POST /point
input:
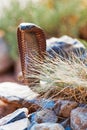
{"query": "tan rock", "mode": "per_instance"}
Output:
(78, 118)
(64, 107)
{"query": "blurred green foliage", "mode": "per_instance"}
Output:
(56, 17)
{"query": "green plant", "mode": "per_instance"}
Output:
(9, 21)
(58, 18)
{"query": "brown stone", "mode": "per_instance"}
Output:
(14, 96)
(64, 107)
(7, 107)
(78, 118)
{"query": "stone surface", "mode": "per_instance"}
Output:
(16, 120)
(15, 116)
(17, 125)
(43, 116)
(7, 107)
(64, 46)
(14, 96)
(68, 128)
(15, 91)
(47, 126)
(78, 118)
(64, 107)
(44, 103)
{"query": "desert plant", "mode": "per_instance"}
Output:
(60, 76)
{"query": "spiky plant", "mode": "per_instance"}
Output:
(60, 77)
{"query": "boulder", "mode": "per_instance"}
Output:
(64, 46)
(17, 125)
(15, 116)
(17, 120)
(14, 91)
(14, 96)
(43, 116)
(78, 118)
(44, 103)
(64, 107)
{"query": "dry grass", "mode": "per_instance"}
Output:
(60, 77)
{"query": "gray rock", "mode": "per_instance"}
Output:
(16, 120)
(78, 118)
(15, 116)
(17, 125)
(14, 96)
(44, 103)
(64, 107)
(14, 91)
(47, 126)
(43, 116)
(64, 46)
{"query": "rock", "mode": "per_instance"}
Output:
(17, 125)
(78, 118)
(16, 120)
(5, 59)
(43, 116)
(65, 122)
(14, 96)
(68, 128)
(7, 107)
(44, 103)
(47, 126)
(64, 107)
(64, 46)
(15, 116)
(15, 91)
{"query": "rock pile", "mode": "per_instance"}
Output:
(24, 112)
(22, 109)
